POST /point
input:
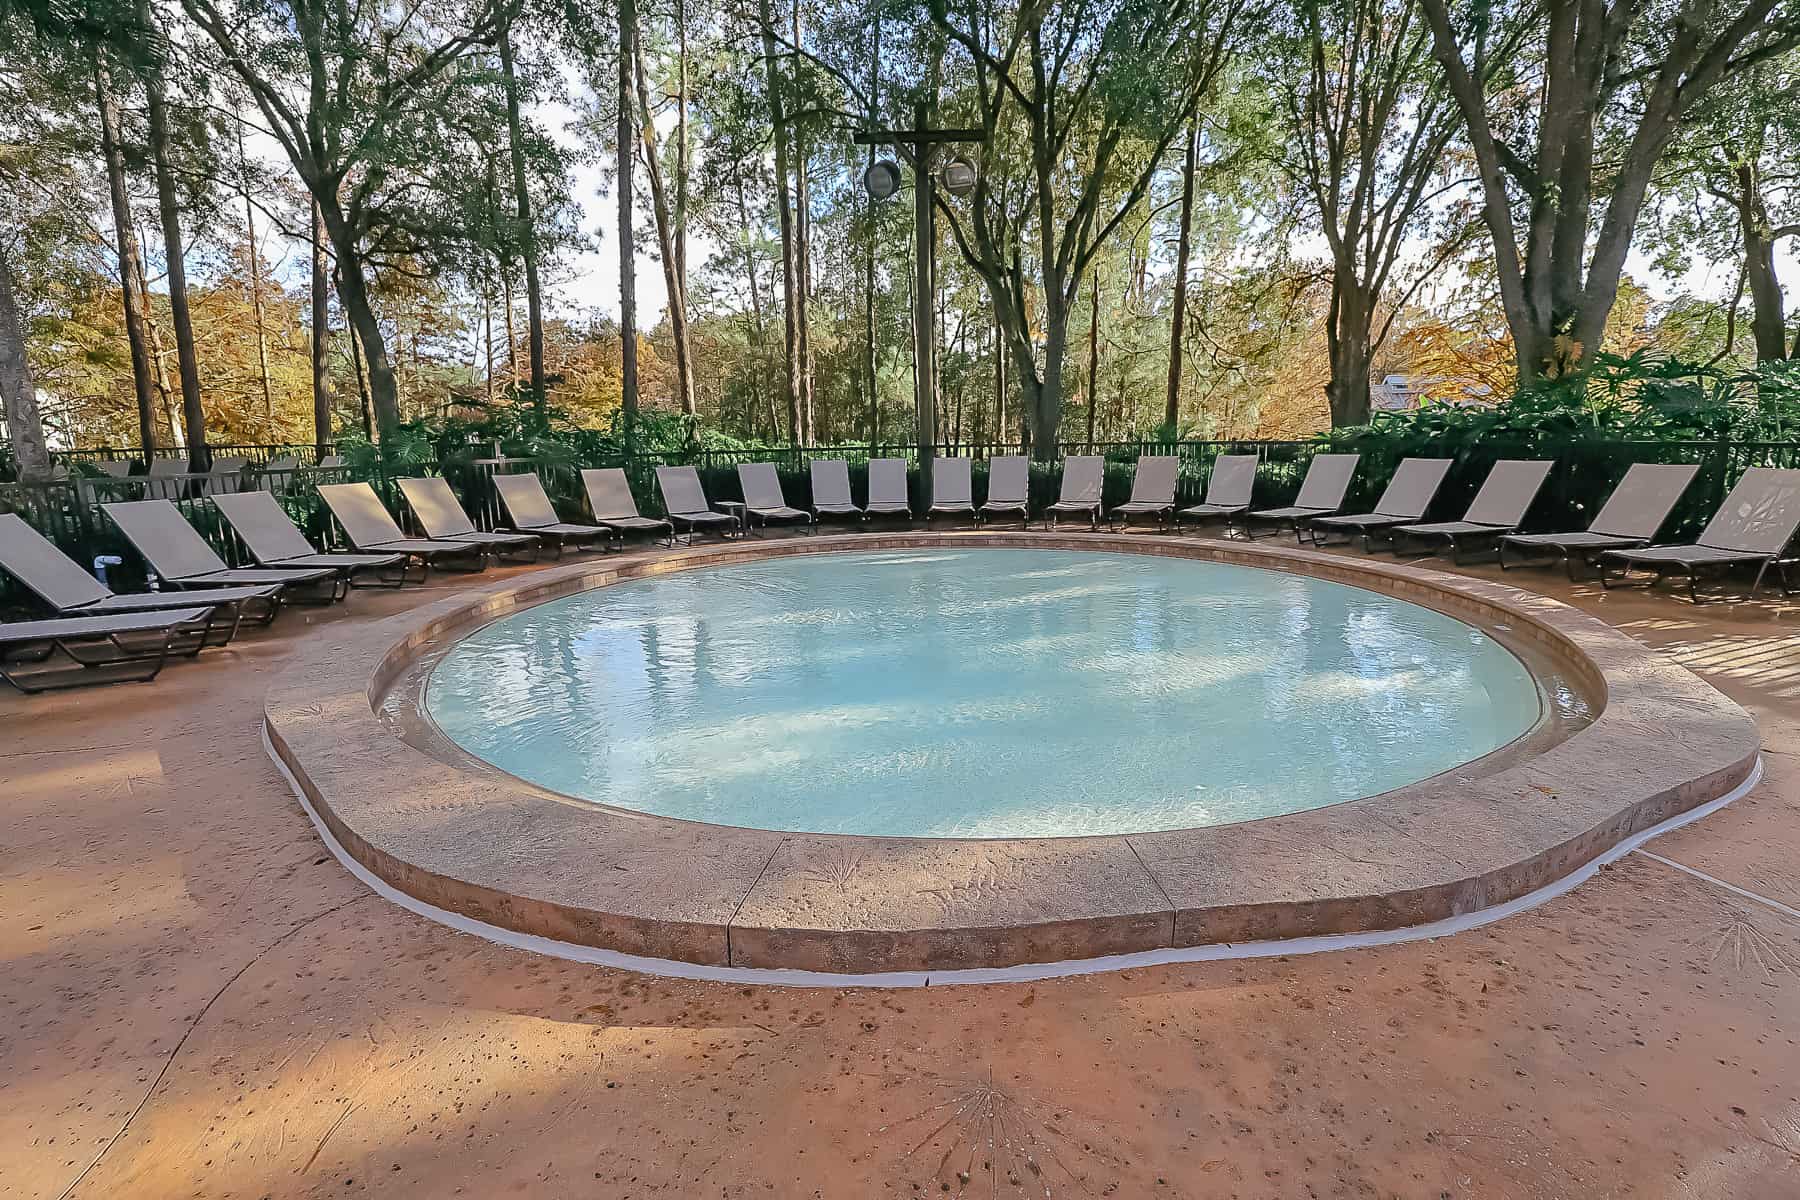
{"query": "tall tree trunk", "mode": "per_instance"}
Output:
(683, 152)
(359, 314)
(673, 280)
(364, 405)
(534, 301)
(758, 328)
(1178, 317)
(130, 264)
(1347, 340)
(256, 302)
(159, 376)
(193, 414)
(18, 394)
(785, 217)
(999, 381)
(626, 149)
(1093, 379)
(1768, 322)
(321, 340)
(510, 305)
(803, 297)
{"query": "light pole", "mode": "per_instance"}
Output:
(882, 180)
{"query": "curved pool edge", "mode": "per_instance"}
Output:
(504, 854)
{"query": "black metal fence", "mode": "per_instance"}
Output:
(71, 513)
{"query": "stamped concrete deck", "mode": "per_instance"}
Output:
(197, 1001)
(490, 847)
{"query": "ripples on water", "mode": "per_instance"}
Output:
(979, 693)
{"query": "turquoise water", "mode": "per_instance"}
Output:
(978, 693)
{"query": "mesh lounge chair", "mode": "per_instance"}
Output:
(952, 489)
(1408, 494)
(275, 541)
(1498, 509)
(226, 475)
(1754, 525)
(1082, 478)
(613, 505)
(887, 489)
(29, 557)
(763, 499)
(685, 502)
(1009, 488)
(831, 490)
(1227, 492)
(124, 648)
(182, 559)
(530, 510)
(435, 507)
(1630, 517)
(1152, 491)
(1322, 493)
(371, 529)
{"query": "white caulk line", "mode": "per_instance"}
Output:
(1024, 973)
(1746, 893)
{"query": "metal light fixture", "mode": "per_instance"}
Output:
(882, 179)
(958, 176)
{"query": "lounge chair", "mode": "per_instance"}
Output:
(330, 462)
(1152, 491)
(1009, 488)
(226, 475)
(530, 510)
(831, 490)
(763, 499)
(1497, 510)
(442, 518)
(952, 489)
(1630, 517)
(372, 530)
(612, 505)
(1754, 525)
(685, 502)
(123, 648)
(275, 541)
(1083, 477)
(1227, 491)
(49, 574)
(1405, 499)
(1322, 493)
(181, 558)
(887, 489)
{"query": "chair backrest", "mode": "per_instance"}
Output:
(331, 462)
(1507, 492)
(1414, 485)
(366, 522)
(1009, 479)
(160, 467)
(525, 500)
(1233, 479)
(951, 485)
(261, 524)
(1154, 482)
(681, 490)
(1759, 516)
(115, 468)
(1643, 500)
(887, 482)
(761, 486)
(281, 462)
(830, 483)
(435, 506)
(1083, 476)
(32, 559)
(157, 531)
(609, 493)
(229, 465)
(1327, 481)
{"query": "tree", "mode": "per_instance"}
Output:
(626, 150)
(355, 97)
(18, 394)
(1368, 123)
(112, 137)
(1078, 104)
(528, 242)
(1608, 86)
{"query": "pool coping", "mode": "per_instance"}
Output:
(504, 853)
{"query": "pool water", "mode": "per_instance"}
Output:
(978, 693)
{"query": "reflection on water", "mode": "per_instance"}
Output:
(985, 693)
